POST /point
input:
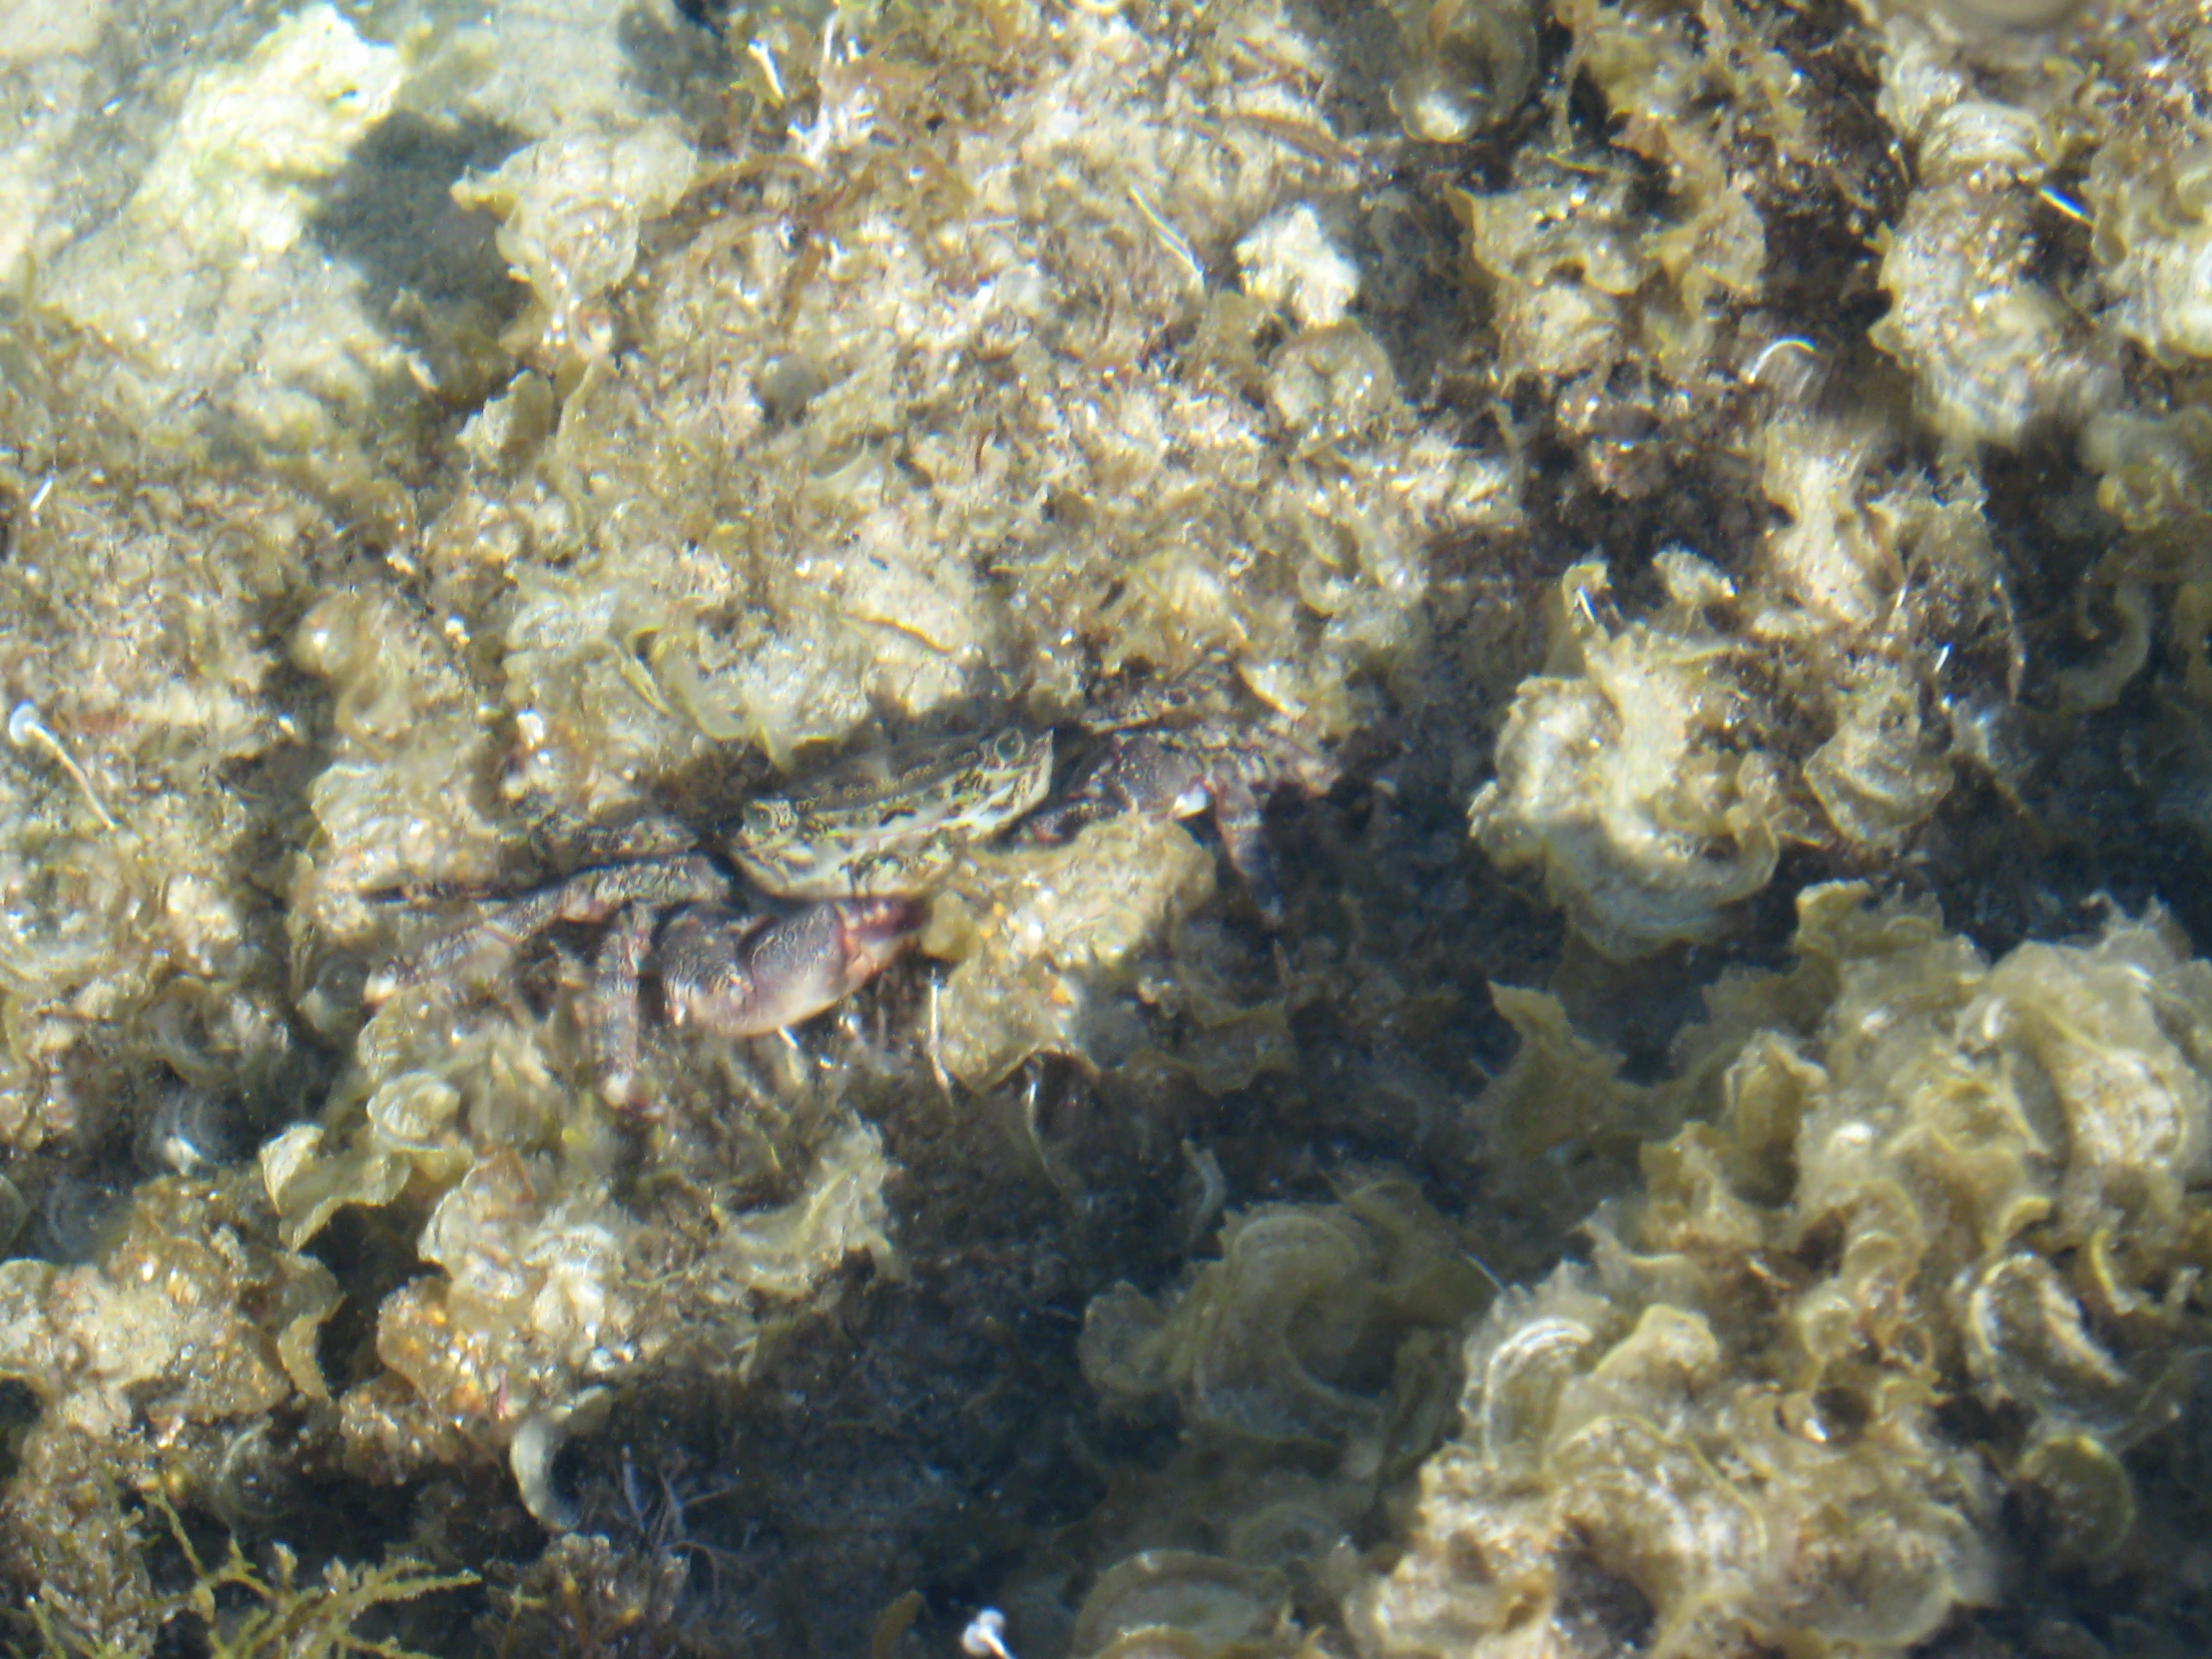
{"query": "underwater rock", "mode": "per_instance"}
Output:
(206, 284)
(905, 368)
(897, 482)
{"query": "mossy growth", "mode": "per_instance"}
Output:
(235, 1610)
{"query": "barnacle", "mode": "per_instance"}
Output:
(1882, 773)
(1290, 261)
(100, 1344)
(543, 1298)
(1624, 276)
(132, 948)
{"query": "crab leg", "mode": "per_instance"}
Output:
(611, 1010)
(1237, 815)
(1137, 774)
(745, 976)
(483, 948)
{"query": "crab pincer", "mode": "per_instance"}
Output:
(745, 975)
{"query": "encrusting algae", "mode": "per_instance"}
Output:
(1471, 515)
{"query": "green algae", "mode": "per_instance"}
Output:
(281, 1615)
(1750, 1398)
(1660, 418)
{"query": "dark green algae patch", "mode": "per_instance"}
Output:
(1714, 1161)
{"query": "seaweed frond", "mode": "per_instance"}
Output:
(283, 1618)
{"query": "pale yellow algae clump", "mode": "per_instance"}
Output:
(1048, 945)
(1993, 349)
(207, 286)
(136, 675)
(1624, 777)
(171, 1363)
(571, 207)
(1734, 445)
(1736, 1426)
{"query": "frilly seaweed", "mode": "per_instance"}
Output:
(1656, 770)
(803, 375)
(1742, 1423)
(1627, 780)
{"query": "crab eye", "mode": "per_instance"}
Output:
(1009, 746)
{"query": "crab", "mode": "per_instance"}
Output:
(820, 886)
(1181, 748)
(857, 845)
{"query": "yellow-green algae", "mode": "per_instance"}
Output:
(1744, 444)
(1935, 1245)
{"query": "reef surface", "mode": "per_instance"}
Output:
(1650, 1093)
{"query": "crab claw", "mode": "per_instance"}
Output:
(745, 976)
